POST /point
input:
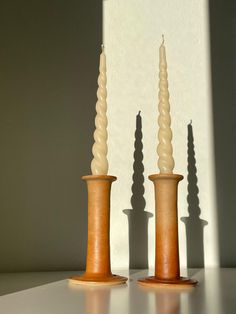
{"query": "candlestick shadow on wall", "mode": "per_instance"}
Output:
(137, 216)
(193, 223)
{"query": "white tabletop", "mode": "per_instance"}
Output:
(49, 293)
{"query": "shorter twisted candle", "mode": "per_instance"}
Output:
(99, 165)
(164, 148)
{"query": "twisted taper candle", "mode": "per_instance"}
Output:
(99, 165)
(164, 148)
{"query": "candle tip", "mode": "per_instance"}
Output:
(139, 112)
(102, 46)
(163, 39)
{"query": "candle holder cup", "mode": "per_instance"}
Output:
(167, 271)
(98, 269)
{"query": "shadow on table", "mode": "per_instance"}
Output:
(14, 282)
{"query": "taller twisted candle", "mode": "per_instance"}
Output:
(99, 165)
(164, 148)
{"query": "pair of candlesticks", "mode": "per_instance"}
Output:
(167, 270)
(98, 270)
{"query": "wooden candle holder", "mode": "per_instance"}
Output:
(167, 270)
(98, 269)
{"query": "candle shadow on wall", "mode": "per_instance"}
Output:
(193, 223)
(49, 75)
(223, 73)
(137, 216)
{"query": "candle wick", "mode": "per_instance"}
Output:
(191, 122)
(139, 112)
(163, 39)
(102, 46)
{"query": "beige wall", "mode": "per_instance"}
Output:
(133, 32)
(49, 66)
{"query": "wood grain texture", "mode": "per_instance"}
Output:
(98, 281)
(98, 268)
(167, 271)
(181, 282)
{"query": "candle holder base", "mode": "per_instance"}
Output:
(181, 282)
(98, 280)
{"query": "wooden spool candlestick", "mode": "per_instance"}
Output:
(167, 270)
(98, 269)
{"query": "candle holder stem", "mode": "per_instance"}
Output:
(167, 271)
(98, 269)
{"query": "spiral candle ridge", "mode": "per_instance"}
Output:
(164, 148)
(99, 165)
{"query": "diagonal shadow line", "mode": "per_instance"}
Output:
(222, 16)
